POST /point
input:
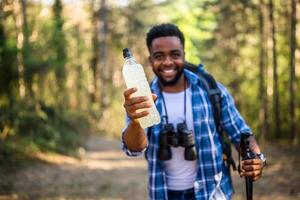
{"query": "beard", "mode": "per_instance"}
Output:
(172, 82)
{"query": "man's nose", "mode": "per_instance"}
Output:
(168, 61)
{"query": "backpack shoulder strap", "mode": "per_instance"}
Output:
(212, 89)
(214, 94)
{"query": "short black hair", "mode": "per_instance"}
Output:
(164, 30)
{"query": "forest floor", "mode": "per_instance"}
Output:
(103, 172)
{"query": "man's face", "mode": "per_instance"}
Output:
(167, 59)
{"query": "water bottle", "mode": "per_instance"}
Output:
(134, 76)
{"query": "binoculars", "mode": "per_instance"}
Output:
(170, 138)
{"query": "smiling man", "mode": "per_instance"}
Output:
(167, 60)
(184, 151)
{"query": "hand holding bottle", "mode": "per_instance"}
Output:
(133, 104)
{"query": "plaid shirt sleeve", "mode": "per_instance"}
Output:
(232, 121)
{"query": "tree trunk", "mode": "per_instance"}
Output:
(263, 117)
(95, 52)
(292, 73)
(4, 67)
(104, 70)
(17, 9)
(25, 50)
(276, 104)
(60, 59)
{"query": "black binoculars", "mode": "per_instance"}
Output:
(170, 138)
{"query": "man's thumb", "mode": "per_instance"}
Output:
(154, 96)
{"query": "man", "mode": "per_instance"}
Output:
(181, 99)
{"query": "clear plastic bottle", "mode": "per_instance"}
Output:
(134, 76)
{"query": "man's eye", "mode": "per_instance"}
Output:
(175, 55)
(158, 57)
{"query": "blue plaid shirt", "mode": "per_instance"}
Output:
(212, 174)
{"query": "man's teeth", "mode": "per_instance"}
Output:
(168, 71)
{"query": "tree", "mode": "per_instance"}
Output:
(263, 110)
(292, 72)
(95, 50)
(59, 43)
(105, 72)
(102, 83)
(8, 70)
(276, 103)
(19, 28)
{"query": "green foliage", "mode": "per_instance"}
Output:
(32, 127)
(9, 73)
(199, 28)
(39, 121)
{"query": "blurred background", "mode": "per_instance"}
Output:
(61, 84)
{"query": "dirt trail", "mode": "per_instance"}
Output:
(103, 172)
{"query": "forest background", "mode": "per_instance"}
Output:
(61, 62)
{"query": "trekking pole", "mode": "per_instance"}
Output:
(249, 188)
(247, 154)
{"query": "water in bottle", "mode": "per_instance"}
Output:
(134, 76)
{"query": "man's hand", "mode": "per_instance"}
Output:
(252, 168)
(134, 135)
(133, 104)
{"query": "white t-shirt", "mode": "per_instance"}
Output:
(180, 173)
